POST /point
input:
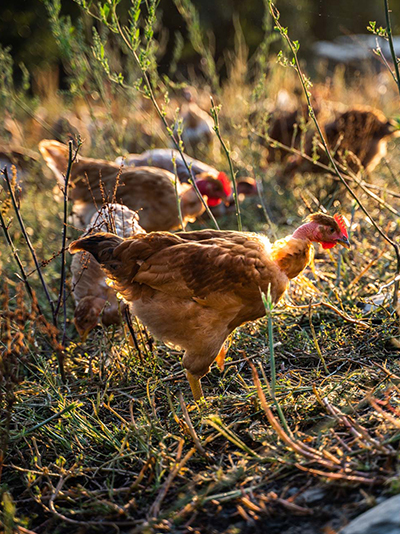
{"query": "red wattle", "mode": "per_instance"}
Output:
(328, 245)
(213, 202)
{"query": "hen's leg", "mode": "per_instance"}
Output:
(195, 386)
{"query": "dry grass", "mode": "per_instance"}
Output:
(121, 446)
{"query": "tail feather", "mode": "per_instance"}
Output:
(100, 245)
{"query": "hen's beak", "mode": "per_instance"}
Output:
(344, 241)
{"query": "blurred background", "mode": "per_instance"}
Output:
(25, 28)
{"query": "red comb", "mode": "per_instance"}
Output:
(222, 177)
(339, 219)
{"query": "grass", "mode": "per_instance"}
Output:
(121, 446)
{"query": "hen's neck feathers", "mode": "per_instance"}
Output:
(293, 253)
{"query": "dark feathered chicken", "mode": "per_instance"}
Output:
(357, 139)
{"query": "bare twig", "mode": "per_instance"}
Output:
(62, 295)
(28, 242)
(214, 113)
(144, 71)
(17, 259)
(190, 426)
(179, 463)
(391, 46)
(132, 333)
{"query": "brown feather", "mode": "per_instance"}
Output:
(325, 220)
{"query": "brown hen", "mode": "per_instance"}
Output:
(357, 139)
(148, 190)
(193, 289)
(197, 125)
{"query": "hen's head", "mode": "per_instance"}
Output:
(215, 188)
(191, 204)
(247, 186)
(321, 228)
(87, 315)
(55, 155)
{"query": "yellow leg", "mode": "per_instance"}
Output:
(195, 386)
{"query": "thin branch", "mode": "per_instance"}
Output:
(391, 46)
(132, 333)
(17, 259)
(153, 99)
(214, 114)
(28, 242)
(62, 295)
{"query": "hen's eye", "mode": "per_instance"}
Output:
(331, 230)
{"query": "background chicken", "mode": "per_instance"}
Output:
(193, 289)
(357, 138)
(163, 159)
(197, 124)
(94, 299)
(286, 128)
(149, 190)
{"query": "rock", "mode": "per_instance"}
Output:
(311, 495)
(382, 519)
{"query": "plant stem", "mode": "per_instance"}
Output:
(391, 46)
(17, 259)
(214, 114)
(153, 99)
(62, 295)
(314, 336)
(268, 305)
(28, 242)
(178, 201)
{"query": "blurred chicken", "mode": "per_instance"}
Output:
(163, 159)
(286, 128)
(357, 139)
(94, 299)
(197, 125)
(18, 160)
(149, 190)
(246, 186)
(193, 289)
